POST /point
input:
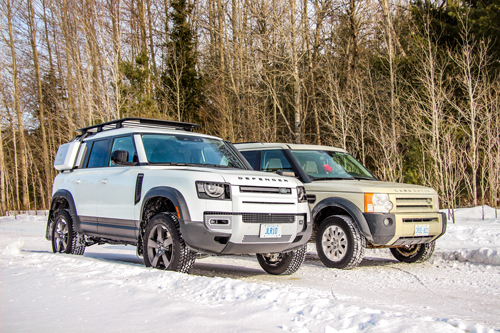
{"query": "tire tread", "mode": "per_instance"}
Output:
(358, 244)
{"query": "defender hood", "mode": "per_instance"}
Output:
(239, 176)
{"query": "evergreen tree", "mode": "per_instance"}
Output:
(181, 80)
(135, 99)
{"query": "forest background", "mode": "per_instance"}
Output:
(410, 88)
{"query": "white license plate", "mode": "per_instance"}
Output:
(270, 231)
(422, 230)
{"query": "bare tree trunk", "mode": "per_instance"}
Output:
(17, 108)
(45, 150)
(297, 104)
(3, 176)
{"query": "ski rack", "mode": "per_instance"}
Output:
(136, 122)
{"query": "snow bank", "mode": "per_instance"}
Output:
(14, 248)
(470, 238)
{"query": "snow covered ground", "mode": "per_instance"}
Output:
(108, 289)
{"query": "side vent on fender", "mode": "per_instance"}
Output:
(138, 188)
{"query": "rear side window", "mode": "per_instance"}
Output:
(98, 154)
(252, 157)
(274, 160)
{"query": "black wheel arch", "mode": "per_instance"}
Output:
(62, 199)
(163, 199)
(173, 195)
(341, 206)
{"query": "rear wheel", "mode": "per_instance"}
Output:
(64, 237)
(339, 242)
(414, 253)
(164, 247)
(282, 263)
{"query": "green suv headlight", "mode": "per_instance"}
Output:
(211, 190)
(377, 203)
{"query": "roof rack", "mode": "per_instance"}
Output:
(137, 122)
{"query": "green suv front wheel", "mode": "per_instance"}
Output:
(414, 253)
(339, 242)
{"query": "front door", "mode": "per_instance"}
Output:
(116, 194)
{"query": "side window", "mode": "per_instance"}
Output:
(98, 154)
(252, 157)
(125, 143)
(274, 160)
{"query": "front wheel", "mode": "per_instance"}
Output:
(164, 247)
(282, 263)
(64, 237)
(414, 253)
(339, 242)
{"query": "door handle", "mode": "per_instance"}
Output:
(76, 181)
(104, 181)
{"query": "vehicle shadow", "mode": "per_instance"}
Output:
(224, 271)
(368, 261)
(113, 257)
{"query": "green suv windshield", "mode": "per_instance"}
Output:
(324, 165)
(189, 150)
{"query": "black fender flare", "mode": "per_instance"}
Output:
(68, 197)
(174, 196)
(350, 208)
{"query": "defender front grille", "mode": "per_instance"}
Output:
(261, 217)
(267, 218)
(262, 189)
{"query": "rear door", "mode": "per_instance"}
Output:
(85, 181)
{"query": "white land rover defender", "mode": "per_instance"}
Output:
(173, 193)
(351, 209)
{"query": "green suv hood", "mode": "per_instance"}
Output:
(366, 186)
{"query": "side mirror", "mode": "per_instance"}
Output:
(119, 157)
(286, 173)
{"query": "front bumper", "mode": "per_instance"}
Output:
(241, 234)
(401, 229)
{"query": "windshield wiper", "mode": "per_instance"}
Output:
(196, 165)
(331, 178)
(364, 178)
(176, 164)
(214, 166)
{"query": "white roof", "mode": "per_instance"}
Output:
(293, 146)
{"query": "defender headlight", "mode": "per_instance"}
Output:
(210, 190)
(301, 194)
(377, 203)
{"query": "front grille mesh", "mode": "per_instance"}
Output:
(414, 204)
(267, 218)
(412, 240)
(261, 217)
(421, 220)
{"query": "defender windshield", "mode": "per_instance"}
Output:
(325, 165)
(189, 150)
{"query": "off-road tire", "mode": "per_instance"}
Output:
(286, 263)
(339, 242)
(414, 253)
(64, 237)
(164, 247)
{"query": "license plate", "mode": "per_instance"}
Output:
(422, 230)
(270, 231)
